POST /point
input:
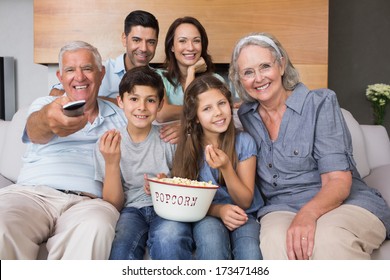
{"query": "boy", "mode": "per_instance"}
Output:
(121, 160)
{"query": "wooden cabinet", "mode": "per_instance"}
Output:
(300, 25)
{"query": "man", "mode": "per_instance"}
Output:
(56, 198)
(139, 38)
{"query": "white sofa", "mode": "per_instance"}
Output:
(371, 147)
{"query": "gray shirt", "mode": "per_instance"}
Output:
(313, 139)
(152, 156)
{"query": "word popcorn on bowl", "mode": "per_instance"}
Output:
(181, 199)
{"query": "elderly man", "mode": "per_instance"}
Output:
(56, 198)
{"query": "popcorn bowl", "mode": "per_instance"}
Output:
(180, 199)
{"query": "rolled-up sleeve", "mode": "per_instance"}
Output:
(332, 142)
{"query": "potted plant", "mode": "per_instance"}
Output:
(379, 96)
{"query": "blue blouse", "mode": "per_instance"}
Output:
(313, 139)
(245, 148)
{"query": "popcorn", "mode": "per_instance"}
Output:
(186, 182)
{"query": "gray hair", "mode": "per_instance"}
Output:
(291, 76)
(77, 45)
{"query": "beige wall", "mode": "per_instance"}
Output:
(16, 37)
(300, 25)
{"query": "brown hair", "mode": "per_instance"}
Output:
(190, 151)
(141, 76)
(173, 73)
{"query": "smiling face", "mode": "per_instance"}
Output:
(267, 81)
(187, 45)
(140, 46)
(80, 76)
(213, 112)
(140, 107)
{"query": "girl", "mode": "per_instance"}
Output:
(210, 149)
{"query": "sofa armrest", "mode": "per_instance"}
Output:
(13, 148)
(3, 133)
(377, 145)
(4, 182)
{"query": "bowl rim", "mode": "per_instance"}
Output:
(156, 180)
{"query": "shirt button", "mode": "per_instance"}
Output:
(275, 184)
(270, 165)
(275, 176)
(296, 152)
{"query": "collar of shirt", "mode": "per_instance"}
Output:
(106, 108)
(120, 64)
(297, 98)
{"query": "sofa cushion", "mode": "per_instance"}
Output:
(358, 144)
(379, 179)
(3, 132)
(383, 253)
(13, 148)
(377, 145)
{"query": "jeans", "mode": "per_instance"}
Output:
(214, 241)
(245, 241)
(138, 228)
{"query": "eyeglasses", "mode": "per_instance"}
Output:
(250, 73)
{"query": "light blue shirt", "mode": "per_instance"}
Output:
(175, 94)
(115, 70)
(313, 139)
(67, 162)
(245, 148)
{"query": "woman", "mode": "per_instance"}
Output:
(186, 44)
(317, 206)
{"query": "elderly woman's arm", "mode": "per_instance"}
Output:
(335, 189)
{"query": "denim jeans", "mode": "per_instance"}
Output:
(138, 228)
(214, 241)
(245, 241)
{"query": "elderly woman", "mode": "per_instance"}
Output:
(317, 206)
